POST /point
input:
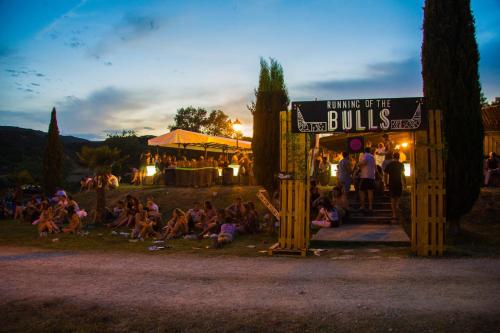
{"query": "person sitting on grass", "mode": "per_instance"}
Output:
(32, 211)
(143, 225)
(327, 216)
(250, 222)
(195, 217)
(74, 221)
(209, 223)
(113, 181)
(177, 226)
(45, 223)
(236, 211)
(227, 233)
(126, 217)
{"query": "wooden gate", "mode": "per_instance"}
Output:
(294, 230)
(427, 193)
(428, 189)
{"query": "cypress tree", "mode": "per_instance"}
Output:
(53, 157)
(451, 83)
(271, 98)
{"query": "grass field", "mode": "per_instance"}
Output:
(480, 237)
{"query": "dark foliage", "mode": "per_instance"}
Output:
(271, 98)
(53, 157)
(199, 120)
(451, 83)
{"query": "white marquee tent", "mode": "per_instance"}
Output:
(197, 141)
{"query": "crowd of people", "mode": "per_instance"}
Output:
(88, 183)
(59, 213)
(144, 220)
(378, 170)
(199, 172)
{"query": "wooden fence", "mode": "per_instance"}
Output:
(294, 231)
(428, 189)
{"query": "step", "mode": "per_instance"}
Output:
(360, 235)
(376, 212)
(375, 206)
(368, 220)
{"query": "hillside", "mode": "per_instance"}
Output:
(22, 149)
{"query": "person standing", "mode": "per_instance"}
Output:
(380, 154)
(367, 179)
(492, 168)
(344, 171)
(396, 176)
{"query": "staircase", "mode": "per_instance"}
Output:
(362, 229)
(381, 210)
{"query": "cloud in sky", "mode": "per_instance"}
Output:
(132, 64)
(381, 79)
(132, 27)
(106, 108)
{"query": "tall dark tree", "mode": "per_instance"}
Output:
(271, 98)
(53, 157)
(451, 83)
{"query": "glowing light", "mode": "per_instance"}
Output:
(219, 172)
(407, 169)
(236, 169)
(150, 170)
(404, 144)
(237, 125)
(333, 170)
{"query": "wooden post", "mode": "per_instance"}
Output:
(428, 189)
(294, 190)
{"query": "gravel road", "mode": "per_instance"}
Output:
(252, 294)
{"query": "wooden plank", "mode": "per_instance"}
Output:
(283, 213)
(413, 195)
(442, 190)
(289, 221)
(421, 191)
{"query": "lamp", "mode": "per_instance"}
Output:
(150, 170)
(237, 130)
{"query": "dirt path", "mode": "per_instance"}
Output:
(295, 294)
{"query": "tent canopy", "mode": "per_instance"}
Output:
(197, 141)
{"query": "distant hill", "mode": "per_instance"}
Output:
(22, 149)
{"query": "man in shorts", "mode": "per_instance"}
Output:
(367, 179)
(396, 174)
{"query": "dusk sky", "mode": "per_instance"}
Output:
(113, 65)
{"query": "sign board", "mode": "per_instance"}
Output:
(268, 205)
(358, 115)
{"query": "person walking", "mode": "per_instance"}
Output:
(396, 176)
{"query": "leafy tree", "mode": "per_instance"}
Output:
(219, 124)
(53, 157)
(100, 161)
(271, 99)
(190, 119)
(451, 84)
